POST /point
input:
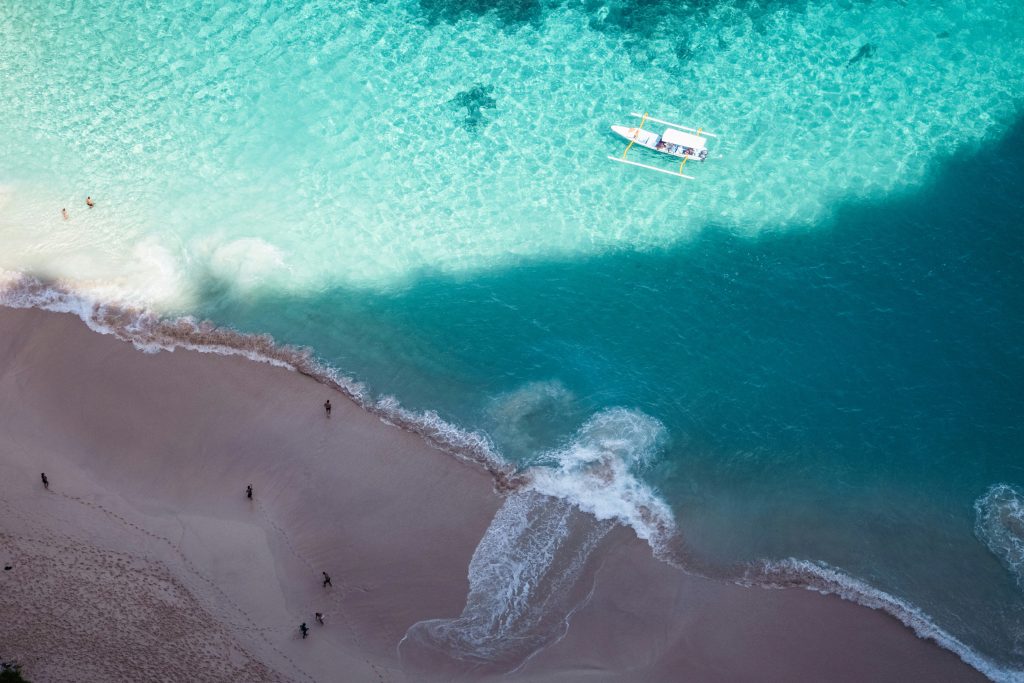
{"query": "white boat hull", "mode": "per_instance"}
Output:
(653, 141)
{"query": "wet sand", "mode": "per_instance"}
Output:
(145, 561)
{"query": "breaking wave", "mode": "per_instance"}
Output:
(599, 472)
(825, 579)
(526, 575)
(999, 524)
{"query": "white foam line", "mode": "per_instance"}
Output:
(150, 333)
(628, 500)
(598, 471)
(999, 524)
(827, 580)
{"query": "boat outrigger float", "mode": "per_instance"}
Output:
(677, 143)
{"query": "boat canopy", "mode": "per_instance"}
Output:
(644, 137)
(678, 137)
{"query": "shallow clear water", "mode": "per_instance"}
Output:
(817, 344)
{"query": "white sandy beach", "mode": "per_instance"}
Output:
(144, 561)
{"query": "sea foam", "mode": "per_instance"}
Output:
(151, 333)
(999, 524)
(828, 580)
(524, 585)
(524, 576)
(599, 471)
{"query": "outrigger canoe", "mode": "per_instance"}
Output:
(678, 143)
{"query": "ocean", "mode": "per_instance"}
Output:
(802, 368)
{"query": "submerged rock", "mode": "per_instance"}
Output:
(474, 101)
(866, 50)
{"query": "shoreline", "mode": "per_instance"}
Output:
(397, 520)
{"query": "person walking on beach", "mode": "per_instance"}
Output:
(248, 491)
(304, 629)
(319, 618)
(327, 579)
(89, 202)
(327, 407)
(46, 482)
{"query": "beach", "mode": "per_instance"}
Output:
(144, 560)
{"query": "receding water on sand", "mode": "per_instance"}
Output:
(526, 578)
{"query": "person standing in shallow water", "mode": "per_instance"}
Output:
(248, 491)
(89, 202)
(64, 212)
(327, 407)
(46, 482)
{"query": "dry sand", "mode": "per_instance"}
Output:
(144, 561)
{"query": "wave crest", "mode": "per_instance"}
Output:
(825, 579)
(999, 524)
(598, 471)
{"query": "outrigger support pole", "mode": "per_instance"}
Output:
(651, 168)
(635, 135)
(674, 125)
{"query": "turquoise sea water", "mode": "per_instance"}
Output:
(812, 353)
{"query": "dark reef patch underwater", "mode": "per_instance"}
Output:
(866, 50)
(473, 101)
